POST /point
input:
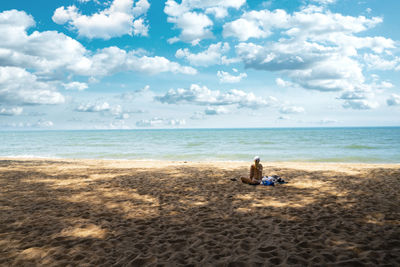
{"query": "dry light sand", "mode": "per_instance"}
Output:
(133, 213)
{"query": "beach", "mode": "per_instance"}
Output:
(59, 212)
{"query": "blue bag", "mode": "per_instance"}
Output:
(268, 182)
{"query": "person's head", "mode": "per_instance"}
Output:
(256, 160)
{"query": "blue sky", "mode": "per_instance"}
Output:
(126, 64)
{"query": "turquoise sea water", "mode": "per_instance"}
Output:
(370, 145)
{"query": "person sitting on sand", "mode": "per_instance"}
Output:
(255, 173)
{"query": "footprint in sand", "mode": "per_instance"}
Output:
(267, 249)
(275, 261)
(143, 261)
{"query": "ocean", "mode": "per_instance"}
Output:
(365, 145)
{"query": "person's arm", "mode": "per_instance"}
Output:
(261, 171)
(251, 172)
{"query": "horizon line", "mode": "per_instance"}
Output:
(203, 128)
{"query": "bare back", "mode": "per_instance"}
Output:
(256, 172)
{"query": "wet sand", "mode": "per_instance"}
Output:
(136, 213)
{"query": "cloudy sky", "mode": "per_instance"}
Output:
(124, 64)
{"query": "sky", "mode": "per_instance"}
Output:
(129, 64)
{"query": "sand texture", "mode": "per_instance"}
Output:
(133, 213)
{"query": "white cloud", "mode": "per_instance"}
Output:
(282, 83)
(394, 100)
(116, 20)
(17, 86)
(363, 98)
(103, 108)
(201, 95)
(17, 19)
(190, 17)
(111, 60)
(198, 116)
(309, 23)
(352, 95)
(385, 84)
(324, 2)
(115, 125)
(317, 49)
(43, 51)
(52, 56)
(285, 109)
(175, 122)
(309, 65)
(211, 56)
(328, 121)
(43, 124)
(256, 24)
(154, 65)
(14, 111)
(159, 122)
(94, 107)
(38, 124)
(377, 62)
(361, 104)
(140, 28)
(128, 96)
(227, 61)
(116, 110)
(145, 89)
(306, 60)
(218, 12)
(194, 26)
(243, 30)
(215, 7)
(314, 21)
(173, 8)
(75, 86)
(141, 8)
(225, 77)
(350, 43)
(215, 111)
(136, 111)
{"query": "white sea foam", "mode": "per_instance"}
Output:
(26, 156)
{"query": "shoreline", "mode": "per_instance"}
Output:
(203, 128)
(126, 163)
(249, 162)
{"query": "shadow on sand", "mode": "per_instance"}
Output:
(184, 215)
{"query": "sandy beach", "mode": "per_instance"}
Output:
(138, 213)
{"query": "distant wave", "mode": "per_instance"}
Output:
(266, 143)
(26, 156)
(359, 147)
(194, 144)
(352, 159)
(247, 142)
